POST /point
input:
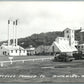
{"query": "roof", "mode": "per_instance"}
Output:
(64, 47)
(11, 47)
(68, 29)
(82, 30)
(81, 44)
(30, 48)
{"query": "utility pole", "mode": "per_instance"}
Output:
(8, 33)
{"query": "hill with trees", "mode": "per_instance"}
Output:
(42, 38)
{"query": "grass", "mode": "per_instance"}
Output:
(43, 70)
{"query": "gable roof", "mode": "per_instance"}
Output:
(63, 47)
(13, 47)
(67, 29)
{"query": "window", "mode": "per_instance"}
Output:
(78, 46)
(20, 51)
(11, 51)
(53, 49)
(81, 46)
(67, 31)
(24, 51)
(3, 53)
(16, 51)
(68, 36)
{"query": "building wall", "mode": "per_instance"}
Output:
(81, 37)
(62, 40)
(53, 48)
(69, 34)
(3, 51)
(18, 52)
(81, 48)
(6, 52)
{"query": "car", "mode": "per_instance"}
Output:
(78, 55)
(63, 57)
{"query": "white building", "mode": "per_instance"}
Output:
(65, 44)
(69, 34)
(12, 51)
(30, 50)
(61, 44)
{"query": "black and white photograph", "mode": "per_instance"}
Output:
(41, 41)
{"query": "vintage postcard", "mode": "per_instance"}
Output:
(41, 41)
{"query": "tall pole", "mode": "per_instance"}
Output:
(16, 33)
(8, 33)
(13, 33)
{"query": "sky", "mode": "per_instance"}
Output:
(40, 16)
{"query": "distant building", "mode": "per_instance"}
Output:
(69, 34)
(65, 44)
(42, 49)
(12, 50)
(61, 44)
(82, 36)
(80, 46)
(30, 50)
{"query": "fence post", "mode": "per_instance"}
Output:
(22, 61)
(1, 64)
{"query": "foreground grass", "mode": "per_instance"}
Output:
(43, 71)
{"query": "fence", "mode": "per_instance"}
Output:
(33, 60)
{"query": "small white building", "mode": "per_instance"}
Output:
(61, 44)
(30, 50)
(11, 50)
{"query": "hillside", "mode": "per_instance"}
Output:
(39, 39)
(42, 39)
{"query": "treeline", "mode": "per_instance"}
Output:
(42, 39)
(39, 39)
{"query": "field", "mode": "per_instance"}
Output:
(43, 71)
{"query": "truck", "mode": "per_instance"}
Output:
(78, 55)
(63, 57)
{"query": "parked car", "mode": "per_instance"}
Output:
(78, 55)
(63, 57)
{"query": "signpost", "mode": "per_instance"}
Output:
(11, 59)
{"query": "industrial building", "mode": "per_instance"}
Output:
(64, 44)
(12, 48)
(80, 46)
(70, 35)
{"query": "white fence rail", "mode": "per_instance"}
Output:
(35, 59)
